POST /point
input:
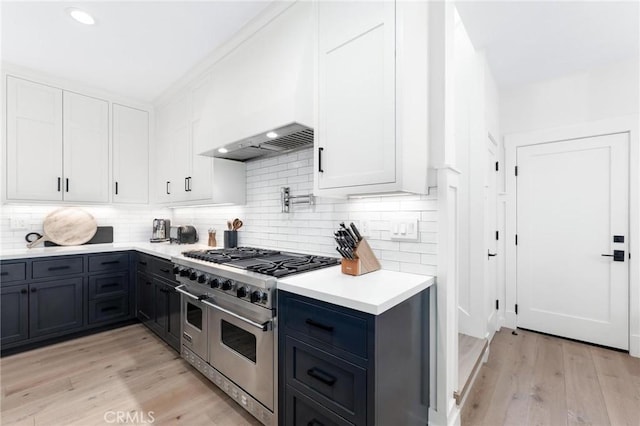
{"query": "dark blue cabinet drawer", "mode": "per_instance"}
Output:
(303, 411)
(163, 268)
(108, 285)
(143, 262)
(110, 309)
(10, 272)
(109, 262)
(331, 329)
(57, 267)
(336, 384)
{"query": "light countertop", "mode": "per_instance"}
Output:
(163, 250)
(373, 293)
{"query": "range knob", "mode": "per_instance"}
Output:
(184, 272)
(193, 275)
(241, 292)
(214, 283)
(227, 285)
(202, 278)
(256, 296)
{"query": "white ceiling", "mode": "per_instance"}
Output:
(135, 49)
(538, 40)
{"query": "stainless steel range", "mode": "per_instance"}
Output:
(229, 331)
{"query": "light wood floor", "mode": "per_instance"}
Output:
(533, 379)
(128, 369)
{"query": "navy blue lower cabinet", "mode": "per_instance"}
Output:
(338, 366)
(55, 306)
(14, 314)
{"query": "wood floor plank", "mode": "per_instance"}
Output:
(548, 405)
(128, 369)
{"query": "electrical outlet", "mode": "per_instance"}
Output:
(365, 228)
(18, 223)
(404, 229)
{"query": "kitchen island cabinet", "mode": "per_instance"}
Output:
(340, 366)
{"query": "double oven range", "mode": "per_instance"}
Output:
(228, 315)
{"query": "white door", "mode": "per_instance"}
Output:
(130, 155)
(86, 148)
(356, 105)
(572, 199)
(34, 141)
(491, 236)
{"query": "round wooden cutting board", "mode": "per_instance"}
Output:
(68, 226)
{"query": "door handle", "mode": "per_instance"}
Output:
(618, 255)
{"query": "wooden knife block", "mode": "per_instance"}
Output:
(366, 261)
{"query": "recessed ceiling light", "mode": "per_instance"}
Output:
(81, 16)
(272, 135)
(223, 150)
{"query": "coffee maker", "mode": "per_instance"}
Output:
(161, 229)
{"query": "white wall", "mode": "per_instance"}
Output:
(310, 229)
(599, 93)
(129, 223)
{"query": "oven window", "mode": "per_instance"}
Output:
(194, 316)
(239, 340)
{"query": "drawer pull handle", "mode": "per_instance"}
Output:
(23, 291)
(320, 375)
(4, 274)
(109, 285)
(165, 270)
(140, 262)
(110, 262)
(59, 268)
(109, 308)
(319, 325)
(314, 422)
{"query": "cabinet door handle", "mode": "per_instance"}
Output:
(319, 325)
(314, 422)
(186, 184)
(109, 285)
(109, 308)
(168, 189)
(67, 185)
(110, 262)
(4, 274)
(320, 160)
(58, 268)
(140, 262)
(320, 375)
(23, 291)
(59, 183)
(116, 188)
(165, 270)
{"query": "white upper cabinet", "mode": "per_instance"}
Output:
(130, 155)
(57, 144)
(34, 141)
(86, 148)
(182, 176)
(363, 144)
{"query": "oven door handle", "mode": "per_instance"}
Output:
(179, 289)
(264, 327)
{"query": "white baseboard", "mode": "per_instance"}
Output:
(634, 345)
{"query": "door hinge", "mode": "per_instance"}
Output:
(497, 235)
(497, 304)
(516, 170)
(497, 166)
(516, 239)
(516, 309)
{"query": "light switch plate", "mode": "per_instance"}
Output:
(404, 229)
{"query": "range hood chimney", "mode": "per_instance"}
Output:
(282, 140)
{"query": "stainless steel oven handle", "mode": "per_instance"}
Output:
(264, 327)
(186, 293)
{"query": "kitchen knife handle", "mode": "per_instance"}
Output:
(320, 149)
(355, 231)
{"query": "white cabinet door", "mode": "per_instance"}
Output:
(200, 177)
(130, 155)
(34, 141)
(86, 148)
(356, 105)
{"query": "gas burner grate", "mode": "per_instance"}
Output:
(229, 255)
(293, 265)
